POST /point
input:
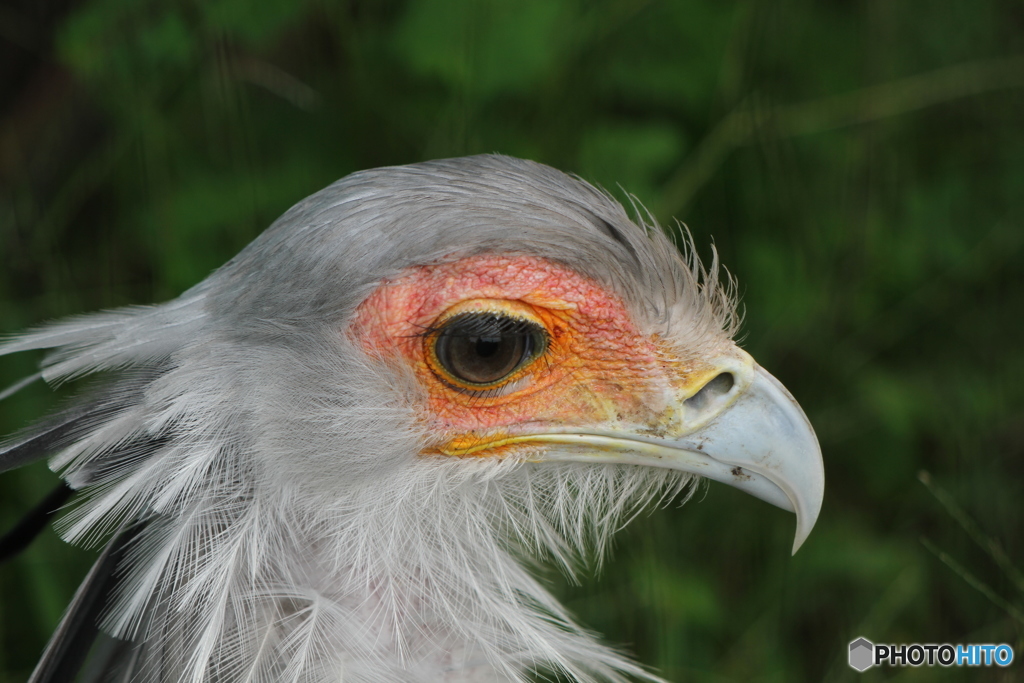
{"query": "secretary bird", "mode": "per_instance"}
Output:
(328, 460)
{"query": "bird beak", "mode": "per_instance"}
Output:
(742, 428)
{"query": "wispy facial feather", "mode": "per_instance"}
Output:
(294, 532)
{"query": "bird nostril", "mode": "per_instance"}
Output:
(722, 384)
(719, 386)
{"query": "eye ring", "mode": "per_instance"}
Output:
(481, 350)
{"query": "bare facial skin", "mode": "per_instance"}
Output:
(597, 367)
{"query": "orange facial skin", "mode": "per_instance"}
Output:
(598, 371)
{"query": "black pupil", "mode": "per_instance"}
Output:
(485, 348)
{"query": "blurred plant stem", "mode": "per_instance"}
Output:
(754, 118)
(986, 543)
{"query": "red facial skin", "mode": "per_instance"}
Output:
(598, 369)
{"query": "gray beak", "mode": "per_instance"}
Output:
(752, 435)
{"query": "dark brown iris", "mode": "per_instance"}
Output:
(484, 348)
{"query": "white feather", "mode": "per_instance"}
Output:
(294, 533)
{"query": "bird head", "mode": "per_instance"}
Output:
(488, 313)
(410, 380)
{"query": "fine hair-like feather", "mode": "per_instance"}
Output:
(283, 526)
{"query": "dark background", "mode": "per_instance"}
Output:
(859, 165)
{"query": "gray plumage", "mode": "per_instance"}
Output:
(283, 526)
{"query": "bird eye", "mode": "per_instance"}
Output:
(485, 348)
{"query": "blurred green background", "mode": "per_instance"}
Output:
(859, 165)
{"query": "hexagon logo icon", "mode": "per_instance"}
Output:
(862, 654)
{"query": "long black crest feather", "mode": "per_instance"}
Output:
(45, 438)
(34, 521)
(73, 639)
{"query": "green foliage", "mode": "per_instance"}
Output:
(484, 47)
(859, 166)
